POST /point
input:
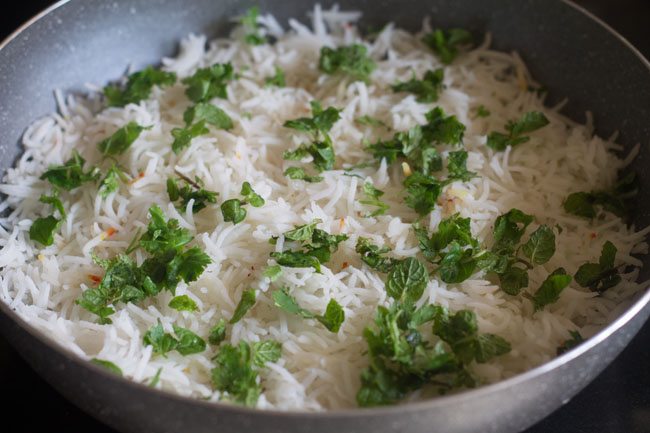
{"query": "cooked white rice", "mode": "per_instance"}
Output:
(319, 370)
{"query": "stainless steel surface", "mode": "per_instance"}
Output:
(105, 36)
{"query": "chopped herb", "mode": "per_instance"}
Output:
(331, 319)
(277, 80)
(373, 199)
(528, 122)
(249, 21)
(549, 291)
(406, 281)
(121, 140)
(169, 263)
(457, 166)
(575, 340)
(185, 342)
(615, 201)
(235, 374)
(183, 136)
(108, 365)
(209, 113)
(296, 259)
(138, 86)
(111, 181)
(422, 192)
(183, 303)
(481, 111)
(373, 255)
(232, 209)
(273, 272)
(540, 246)
(602, 275)
(71, 174)
(445, 43)
(298, 173)
(370, 121)
(155, 379)
(42, 229)
(217, 333)
(427, 89)
(209, 83)
(191, 190)
(246, 302)
(351, 60)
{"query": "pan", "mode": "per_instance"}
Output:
(571, 52)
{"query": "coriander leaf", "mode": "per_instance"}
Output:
(161, 235)
(277, 80)
(481, 111)
(209, 83)
(457, 166)
(373, 199)
(188, 342)
(183, 136)
(249, 22)
(443, 129)
(266, 351)
(210, 114)
(427, 89)
(190, 191)
(457, 264)
(296, 259)
(121, 140)
(108, 365)
(575, 340)
(273, 272)
(372, 255)
(549, 291)
(445, 43)
(217, 333)
(183, 303)
(161, 342)
(234, 374)
(422, 192)
(601, 276)
(298, 173)
(513, 279)
(540, 246)
(70, 175)
(233, 211)
(351, 60)
(528, 122)
(251, 196)
(191, 264)
(138, 86)
(490, 346)
(248, 298)
(407, 280)
(111, 181)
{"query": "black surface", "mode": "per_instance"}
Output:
(617, 401)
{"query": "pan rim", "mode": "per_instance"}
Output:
(442, 401)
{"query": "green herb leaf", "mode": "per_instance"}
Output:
(108, 365)
(351, 60)
(183, 303)
(528, 122)
(155, 379)
(584, 204)
(248, 298)
(217, 333)
(457, 264)
(70, 175)
(234, 374)
(188, 342)
(481, 111)
(183, 136)
(427, 89)
(211, 114)
(161, 342)
(373, 199)
(575, 340)
(121, 140)
(209, 83)
(422, 192)
(249, 22)
(446, 43)
(42, 229)
(510, 227)
(373, 256)
(138, 86)
(443, 129)
(549, 291)
(190, 191)
(233, 211)
(266, 351)
(273, 272)
(251, 196)
(490, 346)
(298, 173)
(407, 280)
(457, 166)
(601, 276)
(332, 319)
(302, 233)
(541, 245)
(296, 259)
(277, 80)
(513, 279)
(111, 181)
(452, 229)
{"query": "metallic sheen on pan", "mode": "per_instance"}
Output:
(568, 50)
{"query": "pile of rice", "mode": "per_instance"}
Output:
(319, 370)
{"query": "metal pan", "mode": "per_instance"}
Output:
(571, 52)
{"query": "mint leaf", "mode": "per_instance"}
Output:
(183, 136)
(373, 199)
(407, 280)
(71, 174)
(575, 340)
(540, 246)
(121, 140)
(298, 173)
(233, 211)
(183, 303)
(332, 319)
(296, 259)
(209, 83)
(188, 342)
(600, 276)
(251, 196)
(138, 87)
(373, 256)
(211, 114)
(549, 291)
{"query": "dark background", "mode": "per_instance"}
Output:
(618, 401)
